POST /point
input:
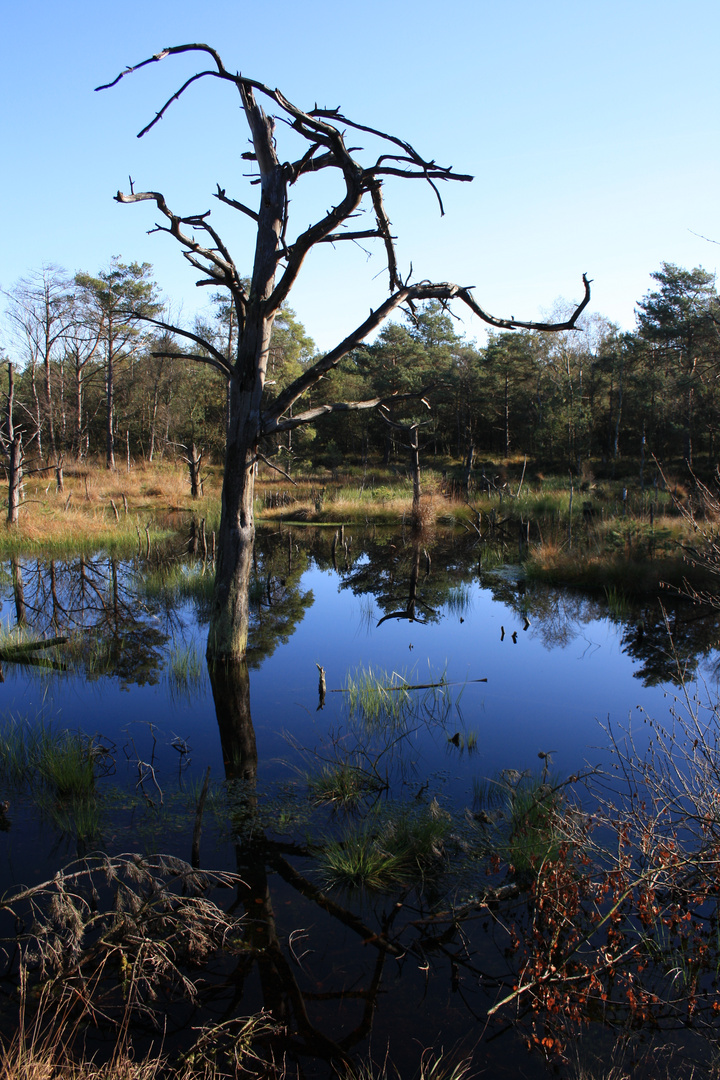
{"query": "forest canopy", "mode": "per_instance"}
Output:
(592, 393)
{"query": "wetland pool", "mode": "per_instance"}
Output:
(508, 672)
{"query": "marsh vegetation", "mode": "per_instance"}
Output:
(448, 821)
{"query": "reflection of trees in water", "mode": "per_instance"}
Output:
(119, 627)
(415, 580)
(92, 600)
(409, 578)
(666, 637)
(285, 986)
(670, 642)
(277, 604)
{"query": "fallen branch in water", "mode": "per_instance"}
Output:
(417, 686)
(18, 651)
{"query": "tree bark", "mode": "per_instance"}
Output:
(230, 612)
(15, 474)
(194, 463)
(109, 391)
(415, 466)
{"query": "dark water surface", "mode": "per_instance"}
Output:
(556, 667)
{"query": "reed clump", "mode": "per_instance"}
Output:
(345, 784)
(186, 670)
(387, 851)
(378, 699)
(58, 769)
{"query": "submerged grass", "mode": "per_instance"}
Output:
(376, 698)
(57, 768)
(65, 764)
(520, 813)
(344, 784)
(186, 670)
(357, 861)
(399, 848)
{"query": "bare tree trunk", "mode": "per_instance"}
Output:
(228, 395)
(15, 474)
(194, 462)
(63, 413)
(153, 419)
(618, 418)
(49, 406)
(78, 440)
(688, 433)
(415, 465)
(109, 437)
(230, 613)
(10, 403)
(15, 455)
(38, 418)
(469, 467)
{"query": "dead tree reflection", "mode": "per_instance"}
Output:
(283, 975)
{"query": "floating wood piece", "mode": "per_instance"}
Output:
(12, 652)
(322, 687)
(416, 686)
(24, 652)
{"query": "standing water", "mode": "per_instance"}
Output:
(361, 780)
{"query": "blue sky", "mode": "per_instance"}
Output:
(590, 129)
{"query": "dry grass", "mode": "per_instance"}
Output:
(42, 1053)
(625, 553)
(111, 940)
(83, 514)
(386, 499)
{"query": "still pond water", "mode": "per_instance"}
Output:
(525, 670)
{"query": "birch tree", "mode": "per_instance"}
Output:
(41, 313)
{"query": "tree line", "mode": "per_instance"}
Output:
(95, 373)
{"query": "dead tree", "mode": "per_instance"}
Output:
(193, 462)
(15, 475)
(412, 430)
(278, 260)
(11, 442)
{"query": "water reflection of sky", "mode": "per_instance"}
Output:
(551, 683)
(537, 697)
(550, 690)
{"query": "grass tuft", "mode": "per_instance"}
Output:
(382, 854)
(186, 671)
(345, 784)
(374, 698)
